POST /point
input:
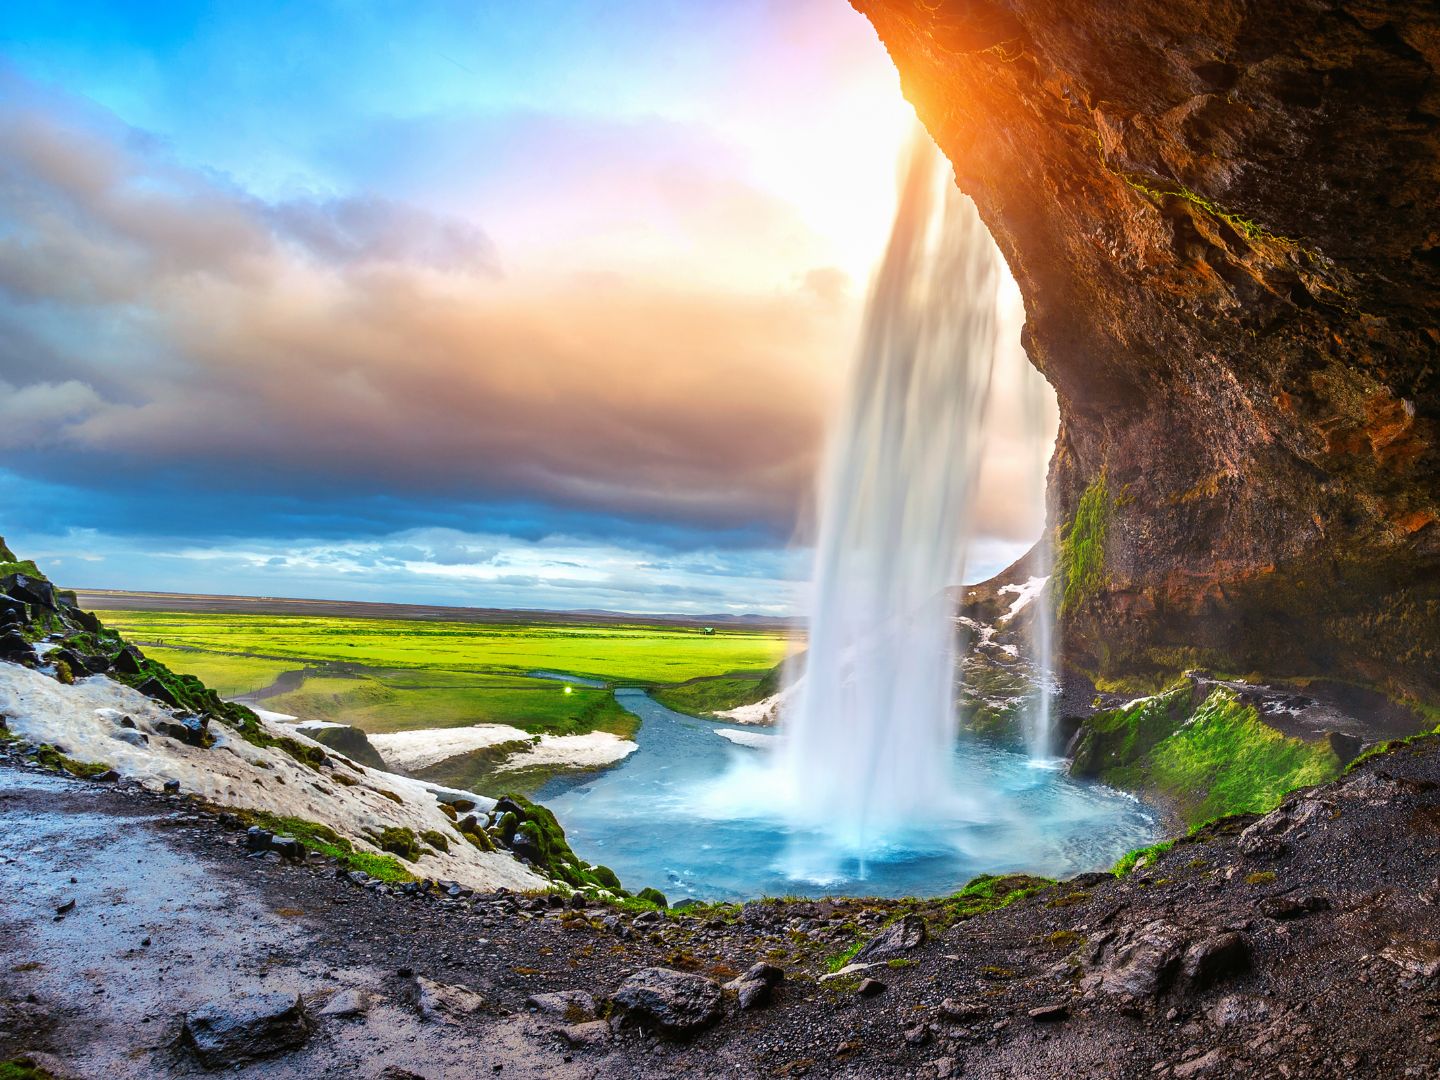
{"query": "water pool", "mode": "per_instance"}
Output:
(688, 813)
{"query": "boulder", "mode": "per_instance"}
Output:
(894, 941)
(674, 1003)
(347, 740)
(127, 661)
(870, 988)
(231, 1032)
(753, 988)
(1146, 961)
(1214, 958)
(154, 688)
(37, 592)
(14, 644)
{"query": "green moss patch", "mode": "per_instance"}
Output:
(325, 840)
(1210, 761)
(704, 697)
(50, 758)
(23, 1069)
(1080, 559)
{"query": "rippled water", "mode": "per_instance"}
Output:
(696, 815)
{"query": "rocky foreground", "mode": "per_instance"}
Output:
(143, 935)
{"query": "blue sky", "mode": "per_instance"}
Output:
(537, 305)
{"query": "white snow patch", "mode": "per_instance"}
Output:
(757, 740)
(1024, 593)
(409, 751)
(590, 751)
(85, 722)
(764, 713)
(277, 717)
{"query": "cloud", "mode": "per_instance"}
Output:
(357, 342)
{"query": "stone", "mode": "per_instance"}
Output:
(14, 644)
(1051, 1013)
(592, 1033)
(257, 839)
(190, 730)
(753, 988)
(1291, 907)
(1414, 956)
(962, 1011)
(1214, 958)
(231, 1032)
(869, 988)
(444, 1002)
(172, 787)
(127, 661)
(894, 941)
(348, 1003)
(154, 688)
(573, 1006)
(1144, 964)
(287, 847)
(674, 1003)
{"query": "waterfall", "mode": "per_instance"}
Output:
(869, 738)
(1038, 719)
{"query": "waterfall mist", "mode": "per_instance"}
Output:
(868, 742)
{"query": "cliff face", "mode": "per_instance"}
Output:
(1225, 221)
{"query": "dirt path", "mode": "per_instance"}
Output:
(1304, 944)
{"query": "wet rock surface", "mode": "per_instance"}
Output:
(234, 1031)
(1242, 349)
(1175, 970)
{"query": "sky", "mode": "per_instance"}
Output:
(537, 305)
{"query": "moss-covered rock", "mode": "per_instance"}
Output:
(1208, 759)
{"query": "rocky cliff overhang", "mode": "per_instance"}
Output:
(1225, 220)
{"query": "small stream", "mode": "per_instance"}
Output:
(693, 815)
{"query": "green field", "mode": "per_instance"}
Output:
(395, 674)
(227, 675)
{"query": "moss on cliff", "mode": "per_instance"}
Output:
(1081, 561)
(1210, 761)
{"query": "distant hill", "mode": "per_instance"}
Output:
(125, 600)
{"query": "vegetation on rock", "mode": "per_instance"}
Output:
(1209, 760)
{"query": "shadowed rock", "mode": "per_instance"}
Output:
(232, 1032)
(672, 1002)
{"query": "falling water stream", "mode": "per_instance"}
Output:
(864, 787)
(870, 736)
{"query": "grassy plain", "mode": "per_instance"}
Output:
(229, 676)
(399, 674)
(635, 655)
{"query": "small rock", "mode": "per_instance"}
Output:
(673, 1002)
(237, 1030)
(347, 1003)
(1292, 907)
(753, 988)
(574, 1006)
(918, 1035)
(65, 906)
(958, 1011)
(589, 1034)
(894, 941)
(1050, 1014)
(172, 787)
(869, 988)
(445, 1003)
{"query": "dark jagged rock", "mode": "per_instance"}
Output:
(1247, 475)
(191, 730)
(1292, 907)
(894, 941)
(753, 988)
(1215, 958)
(154, 688)
(347, 740)
(674, 1003)
(231, 1032)
(572, 1006)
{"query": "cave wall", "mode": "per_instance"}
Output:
(1225, 220)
